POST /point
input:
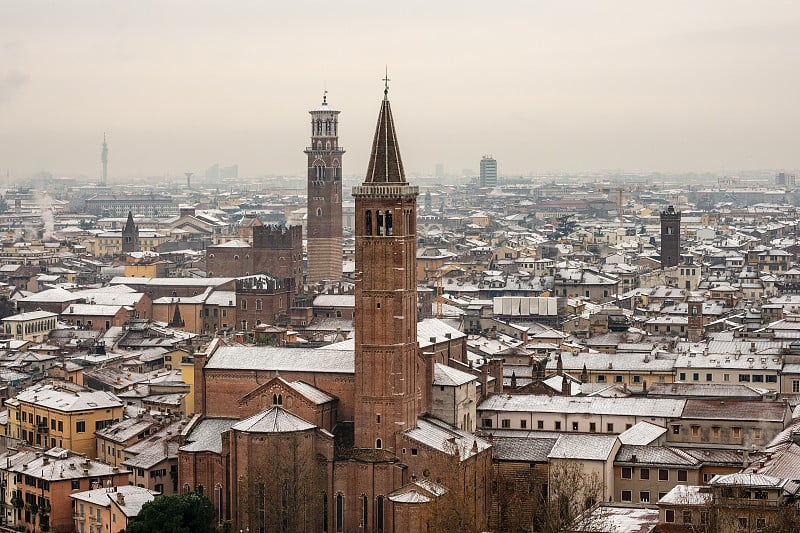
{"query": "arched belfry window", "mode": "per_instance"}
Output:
(388, 222)
(328, 127)
(319, 172)
(319, 127)
(368, 223)
(379, 222)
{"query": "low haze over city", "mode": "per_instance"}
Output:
(545, 87)
(389, 268)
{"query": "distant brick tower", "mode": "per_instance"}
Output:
(694, 329)
(390, 375)
(130, 236)
(324, 196)
(278, 251)
(670, 237)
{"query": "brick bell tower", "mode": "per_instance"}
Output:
(389, 370)
(324, 228)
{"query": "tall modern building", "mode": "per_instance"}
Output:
(104, 160)
(670, 237)
(488, 171)
(324, 224)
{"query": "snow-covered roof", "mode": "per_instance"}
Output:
(583, 446)
(444, 375)
(274, 420)
(281, 359)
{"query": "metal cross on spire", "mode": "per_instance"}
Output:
(386, 81)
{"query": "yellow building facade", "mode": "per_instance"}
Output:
(50, 416)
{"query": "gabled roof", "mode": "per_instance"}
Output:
(64, 400)
(665, 456)
(522, 449)
(282, 359)
(235, 243)
(52, 296)
(445, 375)
(642, 433)
(206, 436)
(308, 392)
(419, 491)
(749, 480)
(31, 315)
(583, 446)
(445, 438)
(133, 498)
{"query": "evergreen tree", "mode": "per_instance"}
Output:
(179, 513)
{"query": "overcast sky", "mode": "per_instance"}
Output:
(543, 86)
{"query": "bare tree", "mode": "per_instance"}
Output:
(453, 511)
(519, 497)
(571, 491)
(282, 491)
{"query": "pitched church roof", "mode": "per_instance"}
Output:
(385, 165)
(274, 420)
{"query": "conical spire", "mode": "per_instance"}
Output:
(177, 319)
(385, 165)
(130, 225)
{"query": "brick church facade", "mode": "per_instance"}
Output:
(341, 438)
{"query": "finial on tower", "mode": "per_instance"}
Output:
(325, 97)
(386, 81)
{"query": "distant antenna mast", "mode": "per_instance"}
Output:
(104, 159)
(189, 179)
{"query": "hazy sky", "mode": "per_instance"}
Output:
(560, 85)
